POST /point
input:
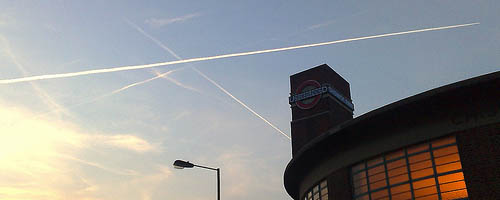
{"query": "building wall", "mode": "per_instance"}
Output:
(338, 185)
(480, 154)
(479, 150)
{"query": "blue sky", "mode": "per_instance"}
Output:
(70, 138)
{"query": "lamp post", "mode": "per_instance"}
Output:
(180, 164)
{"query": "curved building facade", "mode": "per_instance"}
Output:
(440, 144)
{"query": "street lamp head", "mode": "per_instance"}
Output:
(180, 164)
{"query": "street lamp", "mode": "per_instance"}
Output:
(180, 164)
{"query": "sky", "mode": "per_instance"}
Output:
(115, 135)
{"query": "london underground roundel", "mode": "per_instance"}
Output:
(307, 94)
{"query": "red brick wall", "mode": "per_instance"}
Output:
(479, 150)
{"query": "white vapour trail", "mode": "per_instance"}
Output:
(178, 83)
(144, 81)
(241, 103)
(132, 67)
(109, 94)
(46, 98)
(163, 46)
(97, 165)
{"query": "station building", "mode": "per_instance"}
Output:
(438, 145)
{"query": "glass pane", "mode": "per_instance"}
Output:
(445, 151)
(316, 196)
(430, 197)
(360, 190)
(425, 191)
(379, 194)
(396, 163)
(422, 173)
(359, 175)
(398, 179)
(358, 167)
(446, 159)
(401, 196)
(400, 189)
(376, 177)
(424, 183)
(378, 184)
(315, 189)
(421, 165)
(448, 167)
(375, 161)
(451, 178)
(359, 182)
(419, 157)
(323, 184)
(454, 195)
(397, 171)
(443, 141)
(364, 197)
(396, 154)
(324, 191)
(376, 170)
(418, 148)
(452, 186)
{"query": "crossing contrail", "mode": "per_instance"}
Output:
(145, 81)
(241, 103)
(47, 99)
(133, 67)
(163, 46)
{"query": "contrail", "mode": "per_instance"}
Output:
(145, 81)
(178, 83)
(109, 94)
(241, 103)
(48, 100)
(133, 67)
(97, 165)
(163, 46)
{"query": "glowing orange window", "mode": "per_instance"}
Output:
(425, 171)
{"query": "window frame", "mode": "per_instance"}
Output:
(362, 173)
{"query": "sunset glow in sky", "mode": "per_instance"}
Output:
(115, 135)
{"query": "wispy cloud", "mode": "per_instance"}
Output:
(135, 67)
(181, 115)
(320, 25)
(6, 19)
(159, 22)
(49, 159)
(129, 142)
(333, 21)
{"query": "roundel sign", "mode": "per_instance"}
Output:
(308, 94)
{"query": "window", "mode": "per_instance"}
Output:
(318, 192)
(423, 172)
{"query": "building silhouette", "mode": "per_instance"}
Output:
(440, 144)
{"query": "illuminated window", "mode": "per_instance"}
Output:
(318, 192)
(429, 171)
